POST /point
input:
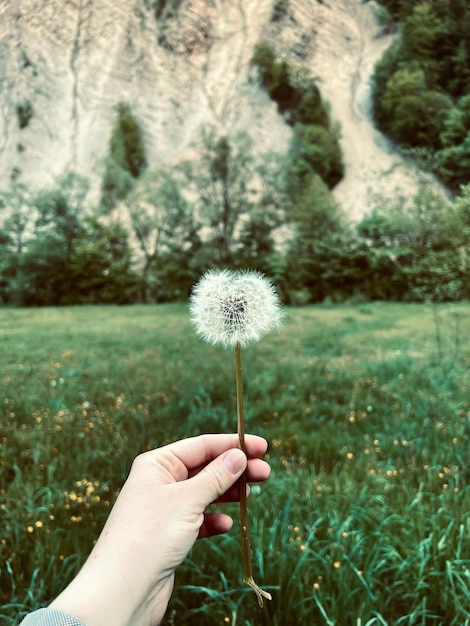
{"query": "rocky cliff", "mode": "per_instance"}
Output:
(64, 64)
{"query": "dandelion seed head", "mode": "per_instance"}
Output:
(231, 308)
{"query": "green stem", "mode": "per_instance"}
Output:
(245, 532)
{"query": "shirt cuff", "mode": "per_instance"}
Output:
(50, 617)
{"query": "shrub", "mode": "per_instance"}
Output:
(296, 94)
(279, 10)
(126, 159)
(315, 149)
(24, 112)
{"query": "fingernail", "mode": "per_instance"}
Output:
(235, 461)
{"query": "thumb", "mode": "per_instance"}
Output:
(217, 477)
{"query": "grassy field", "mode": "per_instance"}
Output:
(366, 518)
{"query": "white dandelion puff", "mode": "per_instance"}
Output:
(231, 308)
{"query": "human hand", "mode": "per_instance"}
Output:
(160, 512)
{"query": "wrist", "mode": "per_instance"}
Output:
(96, 598)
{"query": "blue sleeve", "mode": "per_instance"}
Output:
(50, 617)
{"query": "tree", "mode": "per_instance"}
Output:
(44, 277)
(100, 266)
(318, 253)
(126, 160)
(264, 59)
(417, 248)
(422, 34)
(417, 82)
(17, 217)
(411, 114)
(314, 149)
(17, 226)
(225, 186)
(61, 209)
(223, 182)
(383, 70)
(39, 234)
(295, 92)
(164, 9)
(161, 219)
(457, 123)
(257, 247)
(452, 164)
(420, 120)
(43, 273)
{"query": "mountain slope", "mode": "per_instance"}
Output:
(71, 62)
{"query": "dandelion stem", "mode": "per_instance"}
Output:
(246, 550)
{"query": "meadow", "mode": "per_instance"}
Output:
(366, 517)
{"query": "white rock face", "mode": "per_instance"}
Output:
(73, 60)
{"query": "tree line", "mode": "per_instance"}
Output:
(230, 207)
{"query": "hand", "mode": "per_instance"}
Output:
(128, 578)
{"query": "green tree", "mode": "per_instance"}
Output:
(100, 266)
(116, 184)
(422, 34)
(264, 60)
(310, 109)
(162, 222)
(61, 209)
(411, 114)
(126, 144)
(417, 83)
(295, 92)
(17, 226)
(323, 259)
(126, 160)
(400, 7)
(224, 184)
(24, 112)
(452, 164)
(383, 70)
(72, 258)
(420, 120)
(43, 276)
(257, 246)
(457, 123)
(164, 9)
(314, 149)
(262, 231)
(17, 217)
(417, 249)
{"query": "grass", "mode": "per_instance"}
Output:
(366, 519)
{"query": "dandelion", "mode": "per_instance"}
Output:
(232, 309)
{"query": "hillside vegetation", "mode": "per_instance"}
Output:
(422, 86)
(230, 208)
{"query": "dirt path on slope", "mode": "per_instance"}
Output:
(348, 44)
(236, 30)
